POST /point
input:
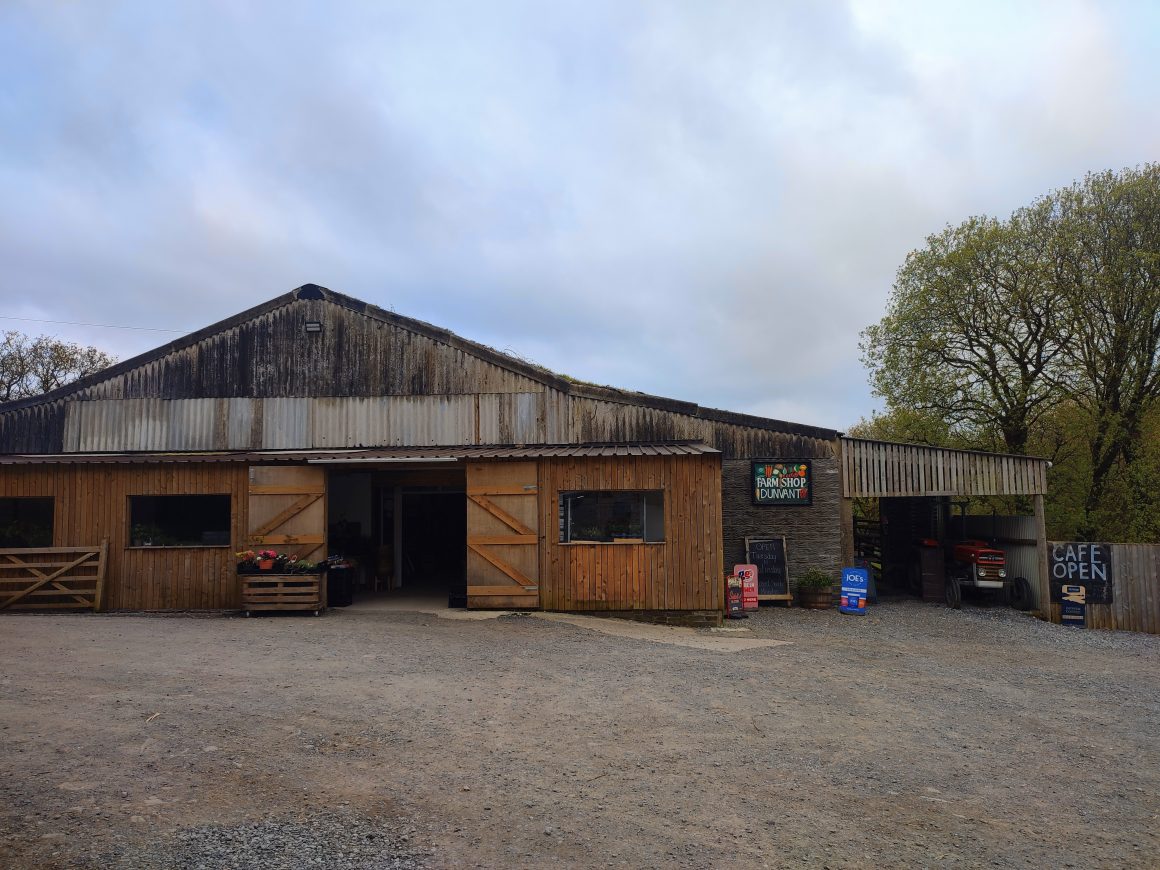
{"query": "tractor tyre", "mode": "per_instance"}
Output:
(1021, 598)
(953, 593)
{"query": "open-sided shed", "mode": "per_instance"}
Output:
(917, 477)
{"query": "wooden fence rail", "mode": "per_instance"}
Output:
(53, 578)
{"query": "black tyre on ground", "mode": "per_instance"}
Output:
(1020, 593)
(954, 594)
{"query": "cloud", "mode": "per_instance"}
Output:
(706, 202)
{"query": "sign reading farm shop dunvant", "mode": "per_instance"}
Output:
(782, 481)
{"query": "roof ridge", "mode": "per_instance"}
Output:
(488, 354)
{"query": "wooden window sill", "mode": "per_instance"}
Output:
(632, 543)
(181, 547)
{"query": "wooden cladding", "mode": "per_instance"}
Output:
(91, 503)
(515, 558)
(502, 560)
(682, 573)
(287, 509)
(53, 578)
(881, 469)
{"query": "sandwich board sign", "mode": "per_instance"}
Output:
(855, 582)
(1073, 607)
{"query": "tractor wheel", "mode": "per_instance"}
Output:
(953, 593)
(1021, 594)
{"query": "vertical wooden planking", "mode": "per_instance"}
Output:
(680, 573)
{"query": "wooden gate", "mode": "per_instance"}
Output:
(502, 541)
(287, 510)
(52, 578)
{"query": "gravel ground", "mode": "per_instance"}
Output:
(317, 839)
(914, 736)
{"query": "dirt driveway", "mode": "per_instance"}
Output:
(917, 736)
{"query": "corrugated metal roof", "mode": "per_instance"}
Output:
(181, 365)
(379, 454)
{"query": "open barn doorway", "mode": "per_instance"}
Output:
(402, 533)
(936, 549)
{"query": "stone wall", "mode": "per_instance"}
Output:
(812, 534)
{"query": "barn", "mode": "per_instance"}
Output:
(319, 424)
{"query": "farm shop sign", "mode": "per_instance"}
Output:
(782, 481)
(1082, 564)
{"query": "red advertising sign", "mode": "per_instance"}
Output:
(748, 575)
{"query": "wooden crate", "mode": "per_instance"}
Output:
(283, 592)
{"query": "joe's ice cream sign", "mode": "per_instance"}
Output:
(784, 482)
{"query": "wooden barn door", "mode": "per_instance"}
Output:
(502, 541)
(287, 510)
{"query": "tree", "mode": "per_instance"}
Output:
(1107, 252)
(31, 366)
(972, 330)
(1039, 331)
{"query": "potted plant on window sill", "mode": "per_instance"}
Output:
(814, 590)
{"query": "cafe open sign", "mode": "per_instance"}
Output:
(782, 482)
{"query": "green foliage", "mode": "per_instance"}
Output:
(1039, 334)
(813, 578)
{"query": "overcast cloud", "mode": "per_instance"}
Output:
(706, 201)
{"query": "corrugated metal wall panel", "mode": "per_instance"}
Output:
(240, 418)
(1021, 528)
(114, 425)
(71, 442)
(190, 425)
(351, 422)
(431, 420)
(511, 418)
(286, 424)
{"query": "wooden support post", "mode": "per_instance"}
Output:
(397, 532)
(1041, 551)
(846, 518)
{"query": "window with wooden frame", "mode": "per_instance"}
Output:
(179, 521)
(26, 521)
(612, 517)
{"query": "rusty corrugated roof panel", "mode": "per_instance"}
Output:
(382, 454)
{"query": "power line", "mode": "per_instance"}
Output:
(101, 325)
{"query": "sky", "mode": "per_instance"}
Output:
(702, 200)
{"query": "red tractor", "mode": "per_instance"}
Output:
(976, 564)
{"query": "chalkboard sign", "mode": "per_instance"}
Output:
(1082, 563)
(768, 554)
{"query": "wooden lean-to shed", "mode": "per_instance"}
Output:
(320, 424)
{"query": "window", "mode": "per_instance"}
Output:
(616, 516)
(179, 520)
(26, 522)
